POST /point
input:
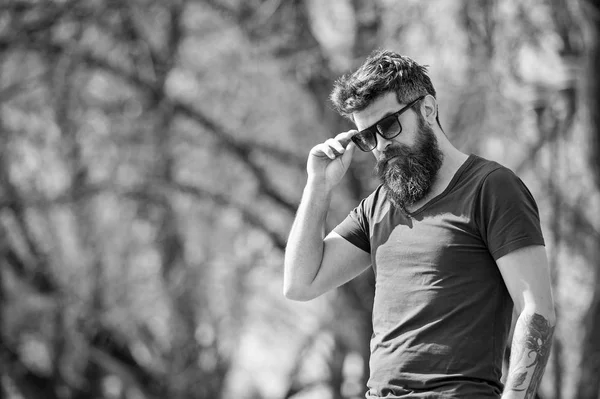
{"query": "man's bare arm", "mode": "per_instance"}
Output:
(527, 278)
(530, 350)
(304, 250)
(312, 264)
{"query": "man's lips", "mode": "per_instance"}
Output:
(388, 160)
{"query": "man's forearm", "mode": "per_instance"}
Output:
(530, 350)
(304, 250)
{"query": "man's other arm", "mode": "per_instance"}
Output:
(526, 275)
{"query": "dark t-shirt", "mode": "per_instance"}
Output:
(442, 313)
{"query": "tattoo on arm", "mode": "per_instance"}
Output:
(529, 354)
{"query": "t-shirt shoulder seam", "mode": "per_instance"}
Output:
(479, 188)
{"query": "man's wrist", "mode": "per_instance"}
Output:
(318, 185)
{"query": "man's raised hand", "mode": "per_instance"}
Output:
(329, 161)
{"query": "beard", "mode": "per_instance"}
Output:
(407, 173)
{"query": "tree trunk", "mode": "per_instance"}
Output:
(588, 385)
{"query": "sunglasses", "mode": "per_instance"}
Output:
(388, 127)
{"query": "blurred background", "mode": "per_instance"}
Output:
(152, 157)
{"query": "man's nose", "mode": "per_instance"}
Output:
(382, 142)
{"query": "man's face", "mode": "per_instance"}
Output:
(407, 164)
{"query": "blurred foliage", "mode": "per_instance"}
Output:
(152, 157)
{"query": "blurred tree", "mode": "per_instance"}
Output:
(588, 383)
(315, 51)
(152, 157)
(57, 36)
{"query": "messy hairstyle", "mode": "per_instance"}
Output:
(383, 72)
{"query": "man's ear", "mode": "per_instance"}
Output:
(430, 109)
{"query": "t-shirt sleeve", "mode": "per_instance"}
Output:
(355, 228)
(508, 216)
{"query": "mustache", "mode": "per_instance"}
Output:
(390, 153)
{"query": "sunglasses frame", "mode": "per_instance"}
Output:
(374, 129)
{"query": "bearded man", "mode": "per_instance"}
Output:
(454, 240)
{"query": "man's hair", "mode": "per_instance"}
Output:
(383, 72)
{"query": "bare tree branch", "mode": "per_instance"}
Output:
(240, 149)
(152, 194)
(249, 216)
(29, 383)
(111, 349)
(16, 88)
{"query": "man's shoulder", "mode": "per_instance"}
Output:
(483, 167)
(493, 172)
(484, 170)
(501, 184)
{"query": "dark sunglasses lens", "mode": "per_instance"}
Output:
(389, 127)
(365, 140)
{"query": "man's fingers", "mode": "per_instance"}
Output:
(334, 147)
(345, 137)
(323, 149)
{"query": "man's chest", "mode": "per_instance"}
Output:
(430, 251)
